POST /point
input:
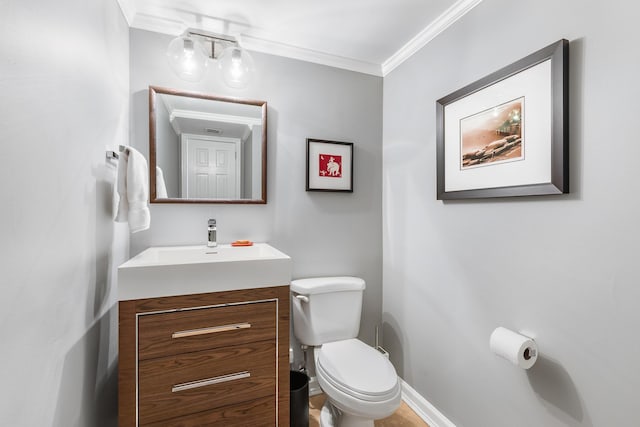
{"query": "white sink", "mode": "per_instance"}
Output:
(180, 270)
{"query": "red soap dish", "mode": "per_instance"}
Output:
(242, 243)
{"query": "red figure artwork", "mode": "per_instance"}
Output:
(330, 166)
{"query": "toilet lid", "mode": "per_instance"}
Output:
(353, 365)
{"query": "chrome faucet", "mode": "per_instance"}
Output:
(212, 231)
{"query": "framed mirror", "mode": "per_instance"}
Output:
(206, 148)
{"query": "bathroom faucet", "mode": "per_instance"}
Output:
(212, 231)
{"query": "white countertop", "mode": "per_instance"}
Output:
(162, 271)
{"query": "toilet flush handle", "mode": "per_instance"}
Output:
(302, 298)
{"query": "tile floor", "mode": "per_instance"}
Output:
(403, 417)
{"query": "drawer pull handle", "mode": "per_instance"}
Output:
(211, 330)
(210, 381)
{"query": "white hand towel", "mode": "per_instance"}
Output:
(161, 187)
(120, 199)
(133, 188)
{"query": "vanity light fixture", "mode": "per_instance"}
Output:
(189, 56)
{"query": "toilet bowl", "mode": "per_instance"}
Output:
(361, 384)
(358, 381)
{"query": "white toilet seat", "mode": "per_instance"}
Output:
(356, 368)
(358, 379)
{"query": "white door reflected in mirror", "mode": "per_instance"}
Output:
(211, 167)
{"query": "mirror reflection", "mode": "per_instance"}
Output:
(206, 148)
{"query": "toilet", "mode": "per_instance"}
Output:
(361, 384)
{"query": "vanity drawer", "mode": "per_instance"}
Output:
(179, 385)
(184, 331)
(255, 413)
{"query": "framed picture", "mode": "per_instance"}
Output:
(507, 134)
(329, 165)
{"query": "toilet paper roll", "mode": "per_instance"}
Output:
(518, 349)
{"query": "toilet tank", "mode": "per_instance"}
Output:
(326, 309)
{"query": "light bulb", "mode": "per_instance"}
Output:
(187, 59)
(237, 67)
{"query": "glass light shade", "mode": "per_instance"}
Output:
(187, 58)
(237, 67)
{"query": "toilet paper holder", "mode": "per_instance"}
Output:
(529, 353)
(518, 349)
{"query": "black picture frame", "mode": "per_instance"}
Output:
(495, 174)
(329, 166)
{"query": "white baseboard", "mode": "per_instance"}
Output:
(423, 408)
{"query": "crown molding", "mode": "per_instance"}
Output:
(451, 15)
(128, 10)
(157, 24)
(281, 49)
(215, 117)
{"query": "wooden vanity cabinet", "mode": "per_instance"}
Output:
(209, 359)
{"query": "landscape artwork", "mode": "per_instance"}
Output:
(493, 136)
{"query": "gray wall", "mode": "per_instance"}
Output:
(324, 233)
(168, 156)
(562, 269)
(65, 100)
(255, 161)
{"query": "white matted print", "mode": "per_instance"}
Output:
(524, 87)
(506, 134)
(329, 165)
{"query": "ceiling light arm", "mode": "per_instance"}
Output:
(206, 36)
(210, 35)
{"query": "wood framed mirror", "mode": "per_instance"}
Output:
(206, 148)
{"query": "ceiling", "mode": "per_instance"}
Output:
(369, 36)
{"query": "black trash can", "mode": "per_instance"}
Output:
(299, 399)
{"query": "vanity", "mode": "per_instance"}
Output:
(204, 336)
